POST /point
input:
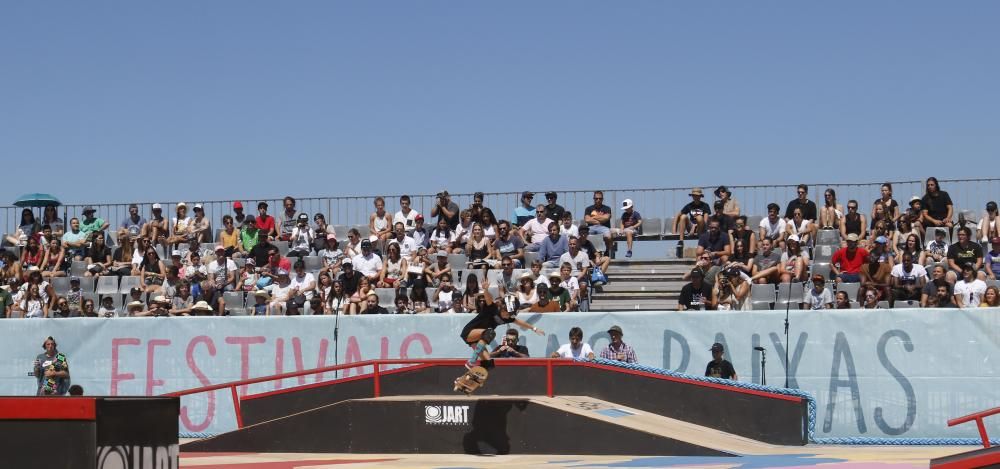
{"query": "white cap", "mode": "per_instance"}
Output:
(181, 204)
(793, 238)
(175, 252)
(197, 206)
(626, 204)
(157, 206)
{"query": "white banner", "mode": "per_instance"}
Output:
(882, 373)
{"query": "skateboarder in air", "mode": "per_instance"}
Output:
(479, 332)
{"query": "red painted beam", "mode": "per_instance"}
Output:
(48, 408)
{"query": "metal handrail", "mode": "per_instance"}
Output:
(978, 418)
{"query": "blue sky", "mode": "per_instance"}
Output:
(212, 100)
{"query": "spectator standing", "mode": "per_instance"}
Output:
(693, 217)
(510, 348)
(629, 225)
(406, 215)
(525, 211)
(576, 348)
(445, 209)
(802, 202)
(51, 370)
(720, 367)
(937, 205)
(846, 262)
(554, 211)
(618, 350)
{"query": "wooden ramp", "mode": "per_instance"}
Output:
(456, 424)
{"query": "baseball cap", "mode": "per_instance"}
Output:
(914, 199)
(717, 347)
(697, 273)
(88, 209)
(995, 240)
(219, 247)
(201, 306)
(135, 290)
(175, 252)
(74, 280)
(197, 206)
(157, 206)
(250, 219)
(527, 194)
(346, 262)
(281, 272)
(555, 274)
(626, 204)
(551, 195)
(793, 238)
(853, 237)
(250, 261)
(615, 329)
(881, 240)
(303, 217)
(262, 204)
(331, 236)
(366, 244)
(237, 204)
(419, 217)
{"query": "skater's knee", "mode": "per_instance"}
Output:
(488, 335)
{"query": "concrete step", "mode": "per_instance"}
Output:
(634, 305)
(650, 262)
(649, 269)
(644, 278)
(672, 286)
(636, 296)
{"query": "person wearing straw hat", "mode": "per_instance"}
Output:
(201, 308)
(158, 308)
(693, 217)
(261, 305)
(134, 308)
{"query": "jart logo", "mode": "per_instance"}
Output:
(446, 414)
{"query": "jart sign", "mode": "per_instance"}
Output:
(446, 414)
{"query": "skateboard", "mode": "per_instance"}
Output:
(473, 379)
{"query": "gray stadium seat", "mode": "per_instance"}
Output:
(87, 284)
(668, 227)
(233, 299)
(651, 228)
(821, 269)
(129, 282)
(598, 241)
(78, 268)
(457, 261)
(386, 296)
(823, 254)
(762, 296)
(828, 238)
(313, 263)
(60, 285)
(883, 304)
(784, 296)
(850, 288)
(107, 285)
(529, 258)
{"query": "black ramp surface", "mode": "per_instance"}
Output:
(479, 426)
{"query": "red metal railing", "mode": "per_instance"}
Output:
(978, 417)
(376, 375)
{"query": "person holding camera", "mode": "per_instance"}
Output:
(731, 289)
(445, 209)
(509, 348)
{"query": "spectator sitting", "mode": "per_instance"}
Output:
(445, 296)
(728, 209)
(772, 226)
(250, 237)
(180, 226)
(553, 210)
(715, 243)
(98, 257)
(368, 263)
(843, 302)
(576, 348)
(61, 310)
(908, 280)
(509, 245)
(92, 224)
(510, 348)
(33, 254)
(832, 213)
(489, 222)
(526, 293)
(506, 282)
(338, 300)
(289, 218)
(887, 202)
(846, 262)
(869, 297)
(183, 301)
(964, 252)
(545, 303)
(577, 292)
(937, 206)
(379, 222)
(107, 309)
(969, 290)
(418, 299)
(629, 225)
(419, 234)
(229, 237)
(472, 294)
(719, 367)
(795, 261)
(802, 202)
(988, 227)
(407, 245)
(853, 223)
(693, 217)
(742, 233)
(403, 305)
(393, 269)
(463, 231)
(440, 268)
(929, 292)
(132, 226)
(731, 290)
(248, 276)
(303, 283)
(536, 229)
(598, 218)
(707, 268)
(525, 211)
(151, 271)
(553, 246)
(322, 231)
(696, 295)
(238, 215)
(536, 273)
(597, 258)
(937, 249)
(479, 249)
(991, 299)
(881, 214)
(799, 226)
(942, 295)
(201, 227)
(446, 210)
(50, 216)
(157, 230)
(566, 226)
(915, 215)
(741, 258)
(406, 215)
(25, 229)
(372, 306)
(618, 350)
(992, 259)
(75, 241)
(912, 247)
(265, 222)
(301, 238)
(443, 237)
(819, 296)
(557, 291)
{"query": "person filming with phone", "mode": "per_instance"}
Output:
(509, 348)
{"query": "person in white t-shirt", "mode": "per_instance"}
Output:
(819, 297)
(576, 348)
(302, 237)
(406, 215)
(772, 226)
(536, 229)
(302, 282)
(367, 263)
(222, 271)
(567, 228)
(908, 279)
(970, 290)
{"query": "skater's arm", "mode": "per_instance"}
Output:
(525, 325)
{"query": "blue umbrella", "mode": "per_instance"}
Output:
(36, 200)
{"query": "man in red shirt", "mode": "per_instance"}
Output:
(277, 261)
(846, 262)
(265, 222)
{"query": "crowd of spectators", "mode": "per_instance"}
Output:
(294, 263)
(841, 259)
